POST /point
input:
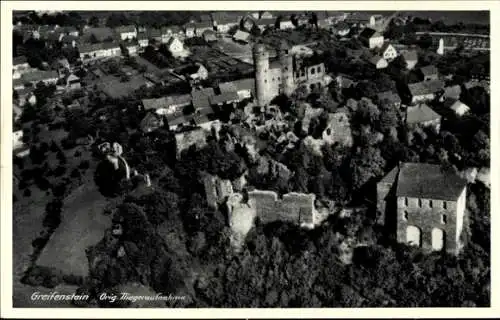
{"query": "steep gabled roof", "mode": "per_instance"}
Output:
(425, 87)
(428, 181)
(420, 113)
(429, 70)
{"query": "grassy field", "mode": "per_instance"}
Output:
(82, 225)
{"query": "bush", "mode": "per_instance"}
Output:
(84, 164)
(42, 276)
(27, 193)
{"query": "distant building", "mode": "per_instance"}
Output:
(175, 46)
(189, 30)
(241, 36)
(422, 115)
(425, 206)
(209, 36)
(201, 27)
(127, 32)
(286, 23)
(388, 52)
(341, 29)
(338, 128)
(378, 62)
(17, 139)
(20, 66)
(222, 22)
(47, 77)
(411, 58)
(423, 91)
(428, 73)
(151, 122)
(371, 38)
(458, 107)
(265, 23)
(95, 51)
(73, 82)
(245, 88)
(142, 39)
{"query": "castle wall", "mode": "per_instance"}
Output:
(412, 212)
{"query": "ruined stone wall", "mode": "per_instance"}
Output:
(293, 207)
(185, 140)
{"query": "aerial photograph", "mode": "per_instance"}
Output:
(250, 159)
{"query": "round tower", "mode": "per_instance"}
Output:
(286, 61)
(261, 62)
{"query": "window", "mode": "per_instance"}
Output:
(313, 71)
(273, 79)
(319, 69)
(443, 218)
(279, 78)
(420, 203)
(328, 131)
(445, 205)
(430, 203)
(405, 215)
(265, 81)
(406, 202)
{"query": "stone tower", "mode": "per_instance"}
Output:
(286, 61)
(261, 62)
(440, 49)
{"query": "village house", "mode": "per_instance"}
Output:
(455, 105)
(378, 62)
(73, 82)
(388, 52)
(371, 38)
(363, 19)
(241, 36)
(20, 66)
(266, 15)
(194, 72)
(90, 52)
(424, 206)
(17, 139)
(341, 29)
(245, 88)
(422, 116)
(69, 41)
(263, 24)
(47, 77)
(172, 31)
(142, 39)
(201, 97)
(151, 122)
(423, 91)
(411, 58)
(222, 22)
(248, 23)
(389, 98)
(201, 27)
(130, 48)
(302, 20)
(428, 73)
(127, 32)
(99, 34)
(175, 46)
(451, 92)
(209, 36)
(189, 29)
(285, 23)
(167, 105)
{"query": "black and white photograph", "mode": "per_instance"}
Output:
(249, 158)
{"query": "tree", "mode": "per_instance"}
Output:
(53, 211)
(366, 164)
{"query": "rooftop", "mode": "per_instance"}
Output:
(428, 181)
(425, 87)
(420, 113)
(429, 70)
